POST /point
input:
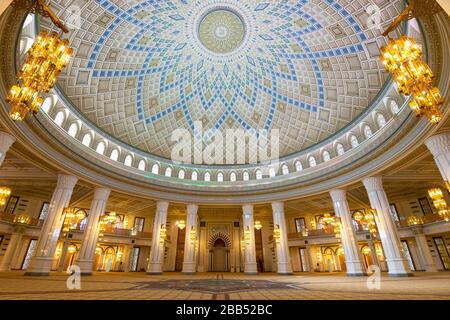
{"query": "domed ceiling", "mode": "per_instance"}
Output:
(142, 69)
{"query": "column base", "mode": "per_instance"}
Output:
(400, 275)
(36, 274)
(85, 266)
(39, 267)
(285, 273)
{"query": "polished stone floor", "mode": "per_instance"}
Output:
(224, 286)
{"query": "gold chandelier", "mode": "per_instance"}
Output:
(45, 60)
(258, 225)
(403, 59)
(5, 192)
(181, 224)
(439, 203)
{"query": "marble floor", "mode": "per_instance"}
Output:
(224, 286)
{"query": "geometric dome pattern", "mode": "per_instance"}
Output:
(143, 68)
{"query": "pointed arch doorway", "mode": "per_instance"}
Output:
(219, 246)
(220, 256)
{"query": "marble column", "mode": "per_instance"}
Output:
(42, 260)
(6, 141)
(439, 146)
(12, 248)
(236, 265)
(348, 236)
(89, 241)
(189, 265)
(283, 257)
(157, 250)
(424, 250)
(63, 257)
(250, 266)
(373, 252)
(390, 239)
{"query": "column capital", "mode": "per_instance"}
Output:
(192, 208)
(66, 181)
(247, 209)
(439, 144)
(278, 206)
(338, 195)
(373, 183)
(162, 205)
(101, 194)
(6, 141)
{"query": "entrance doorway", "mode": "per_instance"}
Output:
(220, 256)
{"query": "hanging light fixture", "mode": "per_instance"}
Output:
(439, 203)
(327, 218)
(358, 216)
(181, 224)
(5, 192)
(45, 60)
(369, 222)
(258, 225)
(403, 59)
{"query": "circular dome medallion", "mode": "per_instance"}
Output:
(221, 31)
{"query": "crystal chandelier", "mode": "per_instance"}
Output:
(403, 59)
(439, 203)
(181, 224)
(193, 235)
(45, 60)
(258, 225)
(370, 225)
(327, 218)
(413, 77)
(5, 192)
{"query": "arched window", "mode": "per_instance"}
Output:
(232, 176)
(312, 161)
(47, 104)
(285, 169)
(155, 169)
(60, 117)
(207, 177)
(87, 140)
(245, 176)
(368, 132)
(340, 149)
(142, 165)
(194, 175)
(114, 155)
(220, 177)
(272, 172)
(168, 172)
(128, 160)
(354, 141)
(381, 120)
(181, 174)
(394, 107)
(101, 147)
(258, 174)
(326, 156)
(73, 130)
(298, 166)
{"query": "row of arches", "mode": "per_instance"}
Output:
(90, 139)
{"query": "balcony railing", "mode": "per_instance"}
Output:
(324, 232)
(416, 220)
(20, 219)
